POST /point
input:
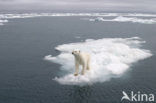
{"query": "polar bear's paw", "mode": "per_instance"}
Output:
(75, 74)
(82, 73)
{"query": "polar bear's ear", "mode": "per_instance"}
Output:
(79, 51)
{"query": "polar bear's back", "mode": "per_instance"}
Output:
(84, 58)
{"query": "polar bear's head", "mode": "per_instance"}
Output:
(76, 52)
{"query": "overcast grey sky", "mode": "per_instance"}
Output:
(105, 5)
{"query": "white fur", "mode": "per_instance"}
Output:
(83, 59)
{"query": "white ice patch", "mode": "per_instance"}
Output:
(3, 21)
(127, 19)
(77, 37)
(110, 58)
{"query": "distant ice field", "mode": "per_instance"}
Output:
(119, 17)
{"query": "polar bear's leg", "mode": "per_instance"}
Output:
(76, 68)
(83, 69)
(88, 64)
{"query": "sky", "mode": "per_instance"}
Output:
(90, 5)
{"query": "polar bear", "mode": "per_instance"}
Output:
(83, 59)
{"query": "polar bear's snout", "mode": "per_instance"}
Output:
(72, 52)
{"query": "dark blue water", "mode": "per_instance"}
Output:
(26, 78)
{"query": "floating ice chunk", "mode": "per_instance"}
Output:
(3, 21)
(110, 58)
(127, 19)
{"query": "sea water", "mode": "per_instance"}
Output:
(36, 65)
